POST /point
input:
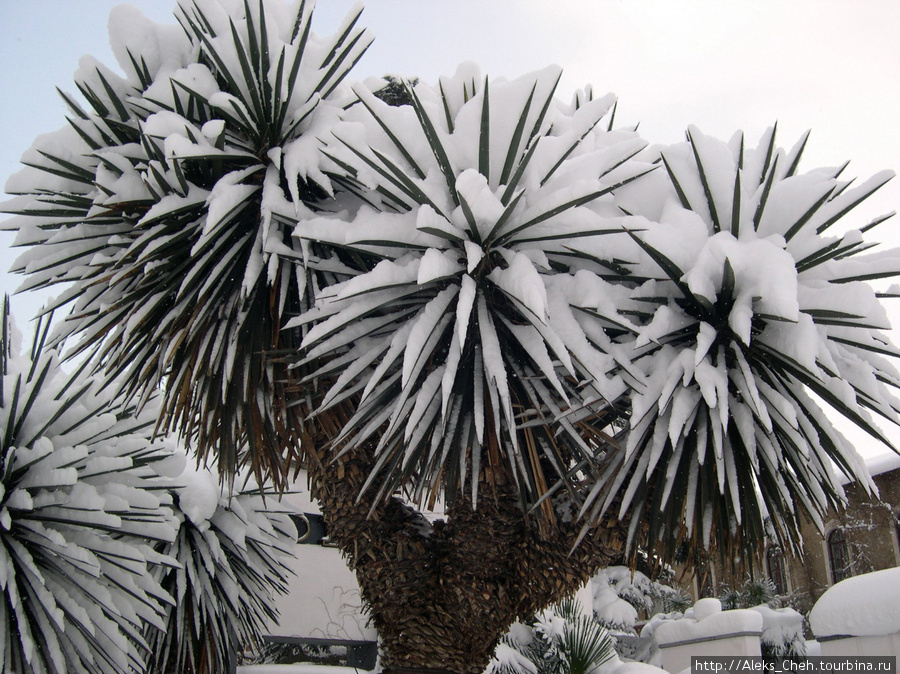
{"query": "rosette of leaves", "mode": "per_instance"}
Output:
(231, 550)
(459, 351)
(155, 206)
(80, 507)
(760, 325)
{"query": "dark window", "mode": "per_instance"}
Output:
(837, 555)
(775, 564)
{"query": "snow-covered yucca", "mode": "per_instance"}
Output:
(231, 549)
(155, 203)
(79, 511)
(756, 330)
(462, 340)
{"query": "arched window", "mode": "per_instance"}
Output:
(776, 570)
(837, 555)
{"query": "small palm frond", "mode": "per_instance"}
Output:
(461, 349)
(80, 506)
(231, 551)
(156, 205)
(762, 322)
(568, 640)
(585, 645)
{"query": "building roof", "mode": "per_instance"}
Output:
(883, 463)
(877, 465)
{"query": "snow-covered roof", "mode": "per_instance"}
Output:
(883, 463)
(878, 465)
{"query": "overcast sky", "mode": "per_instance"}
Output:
(826, 65)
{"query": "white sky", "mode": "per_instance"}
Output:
(826, 65)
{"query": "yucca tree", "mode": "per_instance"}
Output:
(155, 204)
(443, 300)
(231, 549)
(80, 509)
(757, 330)
(460, 357)
(168, 205)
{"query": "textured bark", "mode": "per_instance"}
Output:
(442, 596)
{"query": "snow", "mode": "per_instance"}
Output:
(507, 658)
(436, 264)
(765, 278)
(521, 281)
(706, 607)
(199, 497)
(64, 144)
(426, 327)
(866, 605)
(610, 609)
(614, 612)
(162, 47)
(474, 255)
(484, 205)
(708, 621)
(429, 220)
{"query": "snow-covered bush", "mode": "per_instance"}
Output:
(81, 508)
(562, 640)
(611, 610)
(617, 584)
(231, 549)
(782, 635)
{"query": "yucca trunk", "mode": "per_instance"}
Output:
(442, 595)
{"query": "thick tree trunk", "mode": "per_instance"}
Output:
(442, 596)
